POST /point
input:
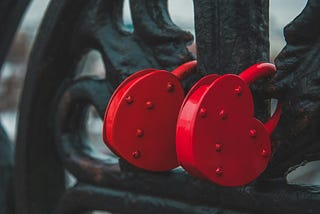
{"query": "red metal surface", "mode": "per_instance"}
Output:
(185, 69)
(140, 119)
(273, 121)
(184, 127)
(217, 136)
(257, 71)
(112, 105)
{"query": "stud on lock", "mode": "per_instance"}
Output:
(219, 171)
(238, 90)
(149, 105)
(253, 133)
(129, 99)
(170, 87)
(264, 153)
(139, 133)
(136, 154)
(218, 147)
(203, 112)
(223, 114)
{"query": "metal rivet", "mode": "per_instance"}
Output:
(129, 99)
(219, 171)
(139, 133)
(253, 133)
(218, 147)
(170, 87)
(203, 112)
(238, 90)
(223, 114)
(149, 105)
(136, 154)
(264, 153)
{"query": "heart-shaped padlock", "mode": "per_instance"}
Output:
(140, 120)
(217, 136)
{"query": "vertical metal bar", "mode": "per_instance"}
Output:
(6, 173)
(231, 36)
(11, 12)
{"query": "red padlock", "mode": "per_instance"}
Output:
(217, 136)
(141, 116)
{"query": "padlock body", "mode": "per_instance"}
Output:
(141, 118)
(218, 137)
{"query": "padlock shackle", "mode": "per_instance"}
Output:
(272, 123)
(258, 71)
(185, 69)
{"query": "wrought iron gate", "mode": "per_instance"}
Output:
(231, 35)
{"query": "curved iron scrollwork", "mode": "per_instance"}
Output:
(55, 102)
(297, 83)
(52, 138)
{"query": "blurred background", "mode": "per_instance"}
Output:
(14, 69)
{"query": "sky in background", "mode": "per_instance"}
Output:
(281, 13)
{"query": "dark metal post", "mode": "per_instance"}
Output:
(11, 12)
(231, 36)
(6, 173)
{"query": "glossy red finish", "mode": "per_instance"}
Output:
(115, 96)
(226, 144)
(257, 71)
(140, 119)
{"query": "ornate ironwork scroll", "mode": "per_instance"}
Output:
(297, 83)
